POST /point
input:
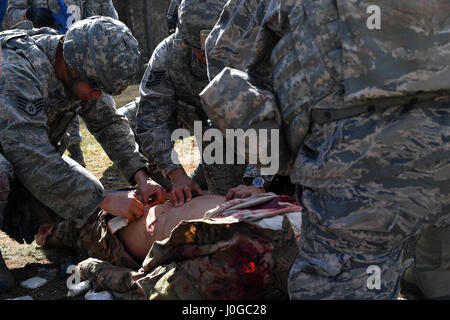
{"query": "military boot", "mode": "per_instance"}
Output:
(427, 276)
(6, 278)
(77, 154)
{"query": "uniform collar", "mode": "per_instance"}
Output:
(49, 44)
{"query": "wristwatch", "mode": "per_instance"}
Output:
(257, 182)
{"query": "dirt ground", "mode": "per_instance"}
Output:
(29, 260)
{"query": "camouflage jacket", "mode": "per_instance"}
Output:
(36, 109)
(80, 9)
(297, 62)
(169, 99)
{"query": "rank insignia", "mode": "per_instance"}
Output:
(154, 78)
(30, 107)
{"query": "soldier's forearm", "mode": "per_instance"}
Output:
(175, 174)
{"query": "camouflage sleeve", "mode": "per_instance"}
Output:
(233, 101)
(114, 134)
(59, 183)
(16, 11)
(130, 112)
(243, 36)
(101, 8)
(156, 113)
(109, 10)
(252, 172)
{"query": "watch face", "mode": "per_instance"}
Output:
(258, 182)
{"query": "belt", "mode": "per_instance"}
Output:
(419, 100)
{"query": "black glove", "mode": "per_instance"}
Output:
(41, 17)
(21, 220)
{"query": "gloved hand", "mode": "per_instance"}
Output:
(41, 17)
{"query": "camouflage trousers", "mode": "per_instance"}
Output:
(361, 257)
(92, 240)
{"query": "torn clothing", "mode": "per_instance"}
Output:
(244, 254)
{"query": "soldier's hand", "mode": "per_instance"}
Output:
(243, 191)
(183, 187)
(123, 204)
(41, 17)
(149, 189)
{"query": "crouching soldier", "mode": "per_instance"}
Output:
(169, 90)
(59, 14)
(47, 79)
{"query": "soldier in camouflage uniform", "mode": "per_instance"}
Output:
(46, 77)
(130, 112)
(169, 92)
(40, 13)
(366, 114)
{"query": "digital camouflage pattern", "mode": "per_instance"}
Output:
(130, 112)
(416, 42)
(211, 258)
(81, 9)
(74, 130)
(104, 51)
(167, 82)
(369, 181)
(197, 15)
(35, 111)
(78, 10)
(222, 100)
(169, 100)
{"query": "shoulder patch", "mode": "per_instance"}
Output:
(30, 107)
(154, 78)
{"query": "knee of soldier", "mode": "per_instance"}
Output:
(6, 176)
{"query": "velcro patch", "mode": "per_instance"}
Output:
(154, 78)
(30, 107)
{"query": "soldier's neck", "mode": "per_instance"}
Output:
(60, 66)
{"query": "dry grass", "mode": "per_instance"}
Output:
(97, 161)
